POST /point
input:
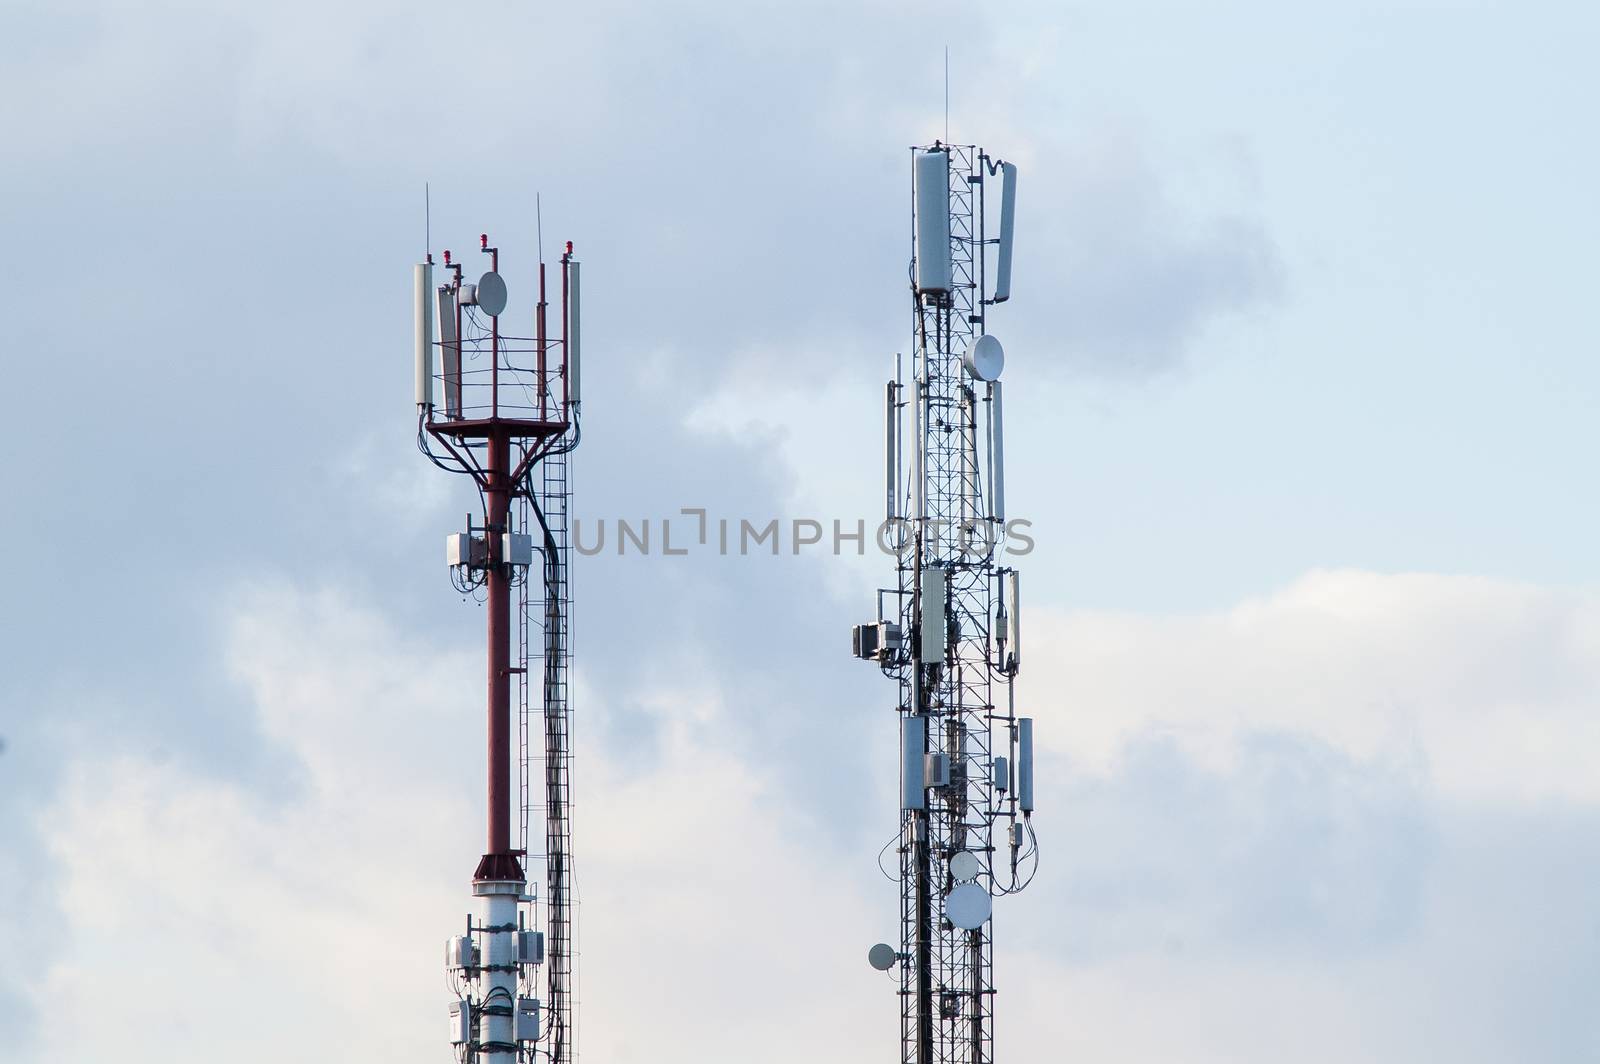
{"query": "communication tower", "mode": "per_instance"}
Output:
(949, 631)
(503, 411)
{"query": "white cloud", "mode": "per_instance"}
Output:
(1490, 683)
(1236, 839)
(311, 924)
(271, 926)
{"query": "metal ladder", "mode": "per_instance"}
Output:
(546, 602)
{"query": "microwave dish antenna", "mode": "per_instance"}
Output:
(492, 294)
(983, 359)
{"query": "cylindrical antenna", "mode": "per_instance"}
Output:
(422, 281)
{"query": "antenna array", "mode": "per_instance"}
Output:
(952, 641)
(509, 419)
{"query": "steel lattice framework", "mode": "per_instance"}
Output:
(955, 687)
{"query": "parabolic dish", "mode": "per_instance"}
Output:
(964, 866)
(984, 358)
(967, 906)
(491, 294)
(881, 957)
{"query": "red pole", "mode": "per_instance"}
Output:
(494, 345)
(499, 499)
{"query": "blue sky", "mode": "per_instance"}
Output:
(1302, 367)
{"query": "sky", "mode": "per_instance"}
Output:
(1302, 367)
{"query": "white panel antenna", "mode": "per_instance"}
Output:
(1008, 224)
(933, 222)
(1025, 764)
(913, 746)
(422, 282)
(450, 351)
(574, 361)
(933, 630)
(1014, 619)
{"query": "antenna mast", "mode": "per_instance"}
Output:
(951, 639)
(508, 420)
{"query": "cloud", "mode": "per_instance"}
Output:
(220, 904)
(1143, 279)
(1296, 850)
(1489, 683)
(1130, 251)
(339, 887)
(1498, 962)
(1269, 883)
(232, 801)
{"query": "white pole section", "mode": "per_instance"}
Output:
(890, 424)
(497, 1036)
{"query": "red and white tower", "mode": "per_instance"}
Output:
(503, 411)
